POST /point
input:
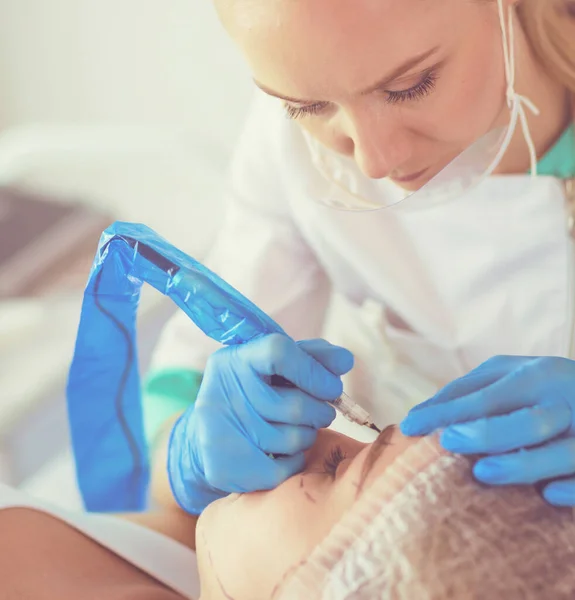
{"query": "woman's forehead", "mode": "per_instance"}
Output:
(343, 15)
(320, 48)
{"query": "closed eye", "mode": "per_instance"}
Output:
(332, 461)
(417, 92)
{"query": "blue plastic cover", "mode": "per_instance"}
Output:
(104, 391)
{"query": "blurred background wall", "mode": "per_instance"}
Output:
(128, 109)
(117, 61)
(165, 70)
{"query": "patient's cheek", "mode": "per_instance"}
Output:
(308, 494)
(246, 543)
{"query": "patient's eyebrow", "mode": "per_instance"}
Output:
(374, 453)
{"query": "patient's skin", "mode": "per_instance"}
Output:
(248, 544)
(43, 558)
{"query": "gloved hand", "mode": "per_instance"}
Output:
(223, 443)
(518, 410)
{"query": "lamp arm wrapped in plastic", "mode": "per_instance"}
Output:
(104, 391)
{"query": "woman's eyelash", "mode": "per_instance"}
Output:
(417, 92)
(333, 460)
(297, 112)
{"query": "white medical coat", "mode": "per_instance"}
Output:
(421, 297)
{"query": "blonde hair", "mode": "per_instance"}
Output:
(550, 28)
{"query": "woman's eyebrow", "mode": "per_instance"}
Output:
(376, 450)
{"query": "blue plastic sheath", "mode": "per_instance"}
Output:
(104, 391)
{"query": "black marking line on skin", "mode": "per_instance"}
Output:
(211, 561)
(306, 493)
(285, 576)
(310, 497)
(205, 541)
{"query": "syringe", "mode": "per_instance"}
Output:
(353, 412)
(347, 407)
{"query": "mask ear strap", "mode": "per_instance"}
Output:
(508, 52)
(510, 70)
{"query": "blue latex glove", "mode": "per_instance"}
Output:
(223, 443)
(518, 410)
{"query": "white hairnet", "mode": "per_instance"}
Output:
(426, 530)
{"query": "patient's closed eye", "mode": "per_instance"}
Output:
(332, 461)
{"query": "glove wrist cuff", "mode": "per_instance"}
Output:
(185, 475)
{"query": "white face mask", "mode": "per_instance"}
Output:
(465, 172)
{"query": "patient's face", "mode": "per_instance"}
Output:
(249, 544)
